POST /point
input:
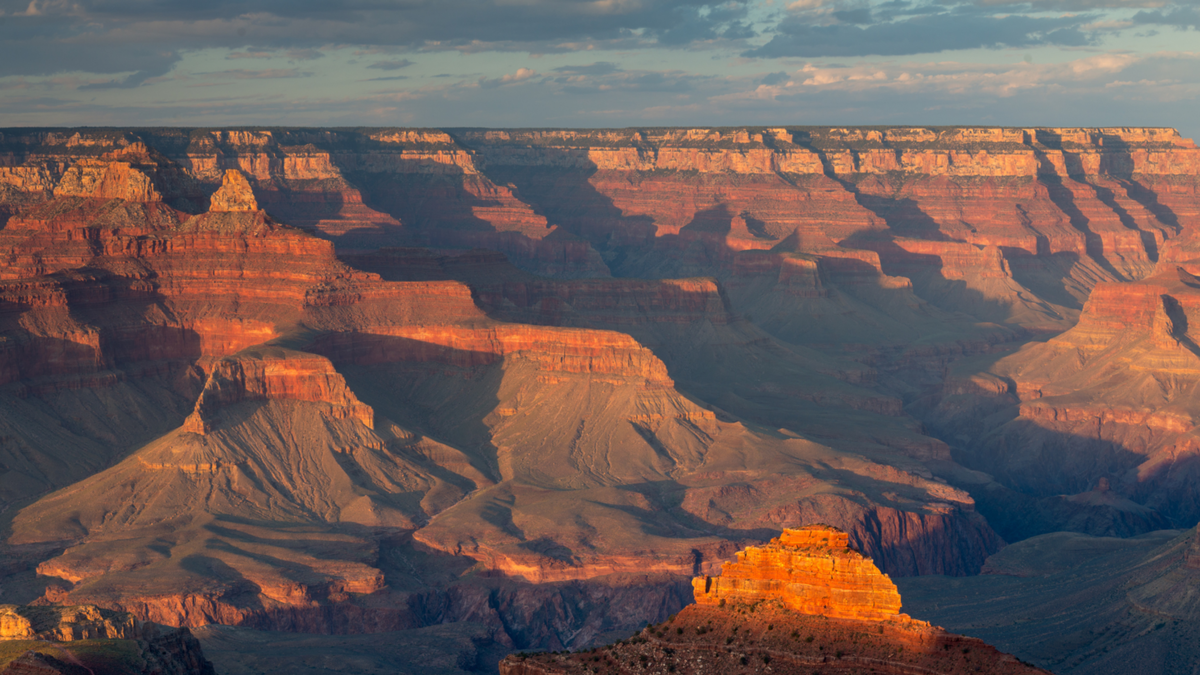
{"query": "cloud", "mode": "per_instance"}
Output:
(250, 55)
(886, 79)
(103, 36)
(391, 65)
(598, 68)
(130, 40)
(1097, 89)
(521, 75)
(265, 74)
(1073, 5)
(138, 78)
(646, 82)
(304, 54)
(864, 33)
(1180, 17)
(647, 60)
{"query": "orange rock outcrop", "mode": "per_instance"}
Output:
(64, 624)
(811, 570)
(234, 195)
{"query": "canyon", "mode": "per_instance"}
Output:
(530, 383)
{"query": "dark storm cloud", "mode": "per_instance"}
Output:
(698, 26)
(139, 36)
(902, 30)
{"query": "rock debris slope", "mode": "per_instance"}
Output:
(355, 381)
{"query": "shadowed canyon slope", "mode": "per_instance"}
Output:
(1079, 604)
(369, 380)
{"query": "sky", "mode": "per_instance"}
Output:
(600, 63)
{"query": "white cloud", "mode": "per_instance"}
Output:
(521, 74)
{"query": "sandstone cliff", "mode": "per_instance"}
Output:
(811, 570)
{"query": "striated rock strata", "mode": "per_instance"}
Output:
(810, 570)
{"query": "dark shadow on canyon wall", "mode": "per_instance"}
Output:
(1045, 479)
(441, 392)
(1117, 164)
(632, 248)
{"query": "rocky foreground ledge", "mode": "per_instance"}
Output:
(86, 640)
(804, 603)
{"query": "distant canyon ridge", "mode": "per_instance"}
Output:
(530, 382)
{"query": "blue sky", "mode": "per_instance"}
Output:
(588, 63)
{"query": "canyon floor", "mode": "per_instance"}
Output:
(483, 391)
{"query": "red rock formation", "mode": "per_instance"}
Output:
(804, 604)
(235, 194)
(274, 374)
(589, 352)
(811, 570)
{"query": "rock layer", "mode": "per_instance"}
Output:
(810, 570)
